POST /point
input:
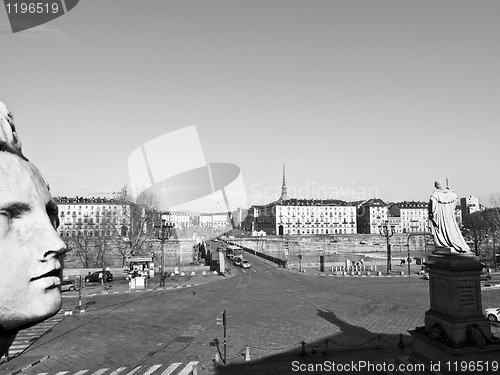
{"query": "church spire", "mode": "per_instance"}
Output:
(284, 195)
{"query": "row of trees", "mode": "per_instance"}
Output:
(481, 229)
(130, 236)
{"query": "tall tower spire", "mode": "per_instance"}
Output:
(284, 195)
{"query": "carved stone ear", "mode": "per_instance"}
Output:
(9, 140)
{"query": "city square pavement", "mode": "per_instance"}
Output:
(279, 319)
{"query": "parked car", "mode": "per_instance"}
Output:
(130, 275)
(493, 314)
(68, 283)
(134, 273)
(94, 277)
(485, 275)
(245, 264)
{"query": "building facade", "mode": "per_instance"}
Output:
(304, 217)
(179, 219)
(91, 216)
(291, 216)
(469, 205)
(409, 216)
(371, 214)
(214, 219)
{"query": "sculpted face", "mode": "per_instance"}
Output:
(31, 251)
(438, 184)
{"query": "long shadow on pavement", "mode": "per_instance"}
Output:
(352, 345)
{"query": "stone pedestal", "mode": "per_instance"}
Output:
(455, 327)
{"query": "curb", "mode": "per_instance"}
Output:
(26, 367)
(376, 276)
(145, 290)
(109, 292)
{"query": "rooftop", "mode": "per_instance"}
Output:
(92, 200)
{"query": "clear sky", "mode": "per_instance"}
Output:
(375, 98)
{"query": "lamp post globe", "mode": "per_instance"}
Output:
(163, 233)
(387, 231)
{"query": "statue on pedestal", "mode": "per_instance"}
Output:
(444, 225)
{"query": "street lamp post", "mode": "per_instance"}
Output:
(287, 250)
(387, 231)
(163, 233)
(493, 230)
(408, 246)
(494, 250)
(493, 244)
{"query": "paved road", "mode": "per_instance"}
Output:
(270, 310)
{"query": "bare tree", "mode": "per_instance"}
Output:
(493, 213)
(475, 229)
(492, 216)
(102, 246)
(82, 247)
(136, 224)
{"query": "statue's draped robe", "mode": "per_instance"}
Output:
(443, 222)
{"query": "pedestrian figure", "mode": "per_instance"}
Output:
(101, 280)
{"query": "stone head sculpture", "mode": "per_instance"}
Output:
(30, 248)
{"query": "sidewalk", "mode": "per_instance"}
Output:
(123, 286)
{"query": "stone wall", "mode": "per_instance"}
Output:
(336, 249)
(176, 252)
